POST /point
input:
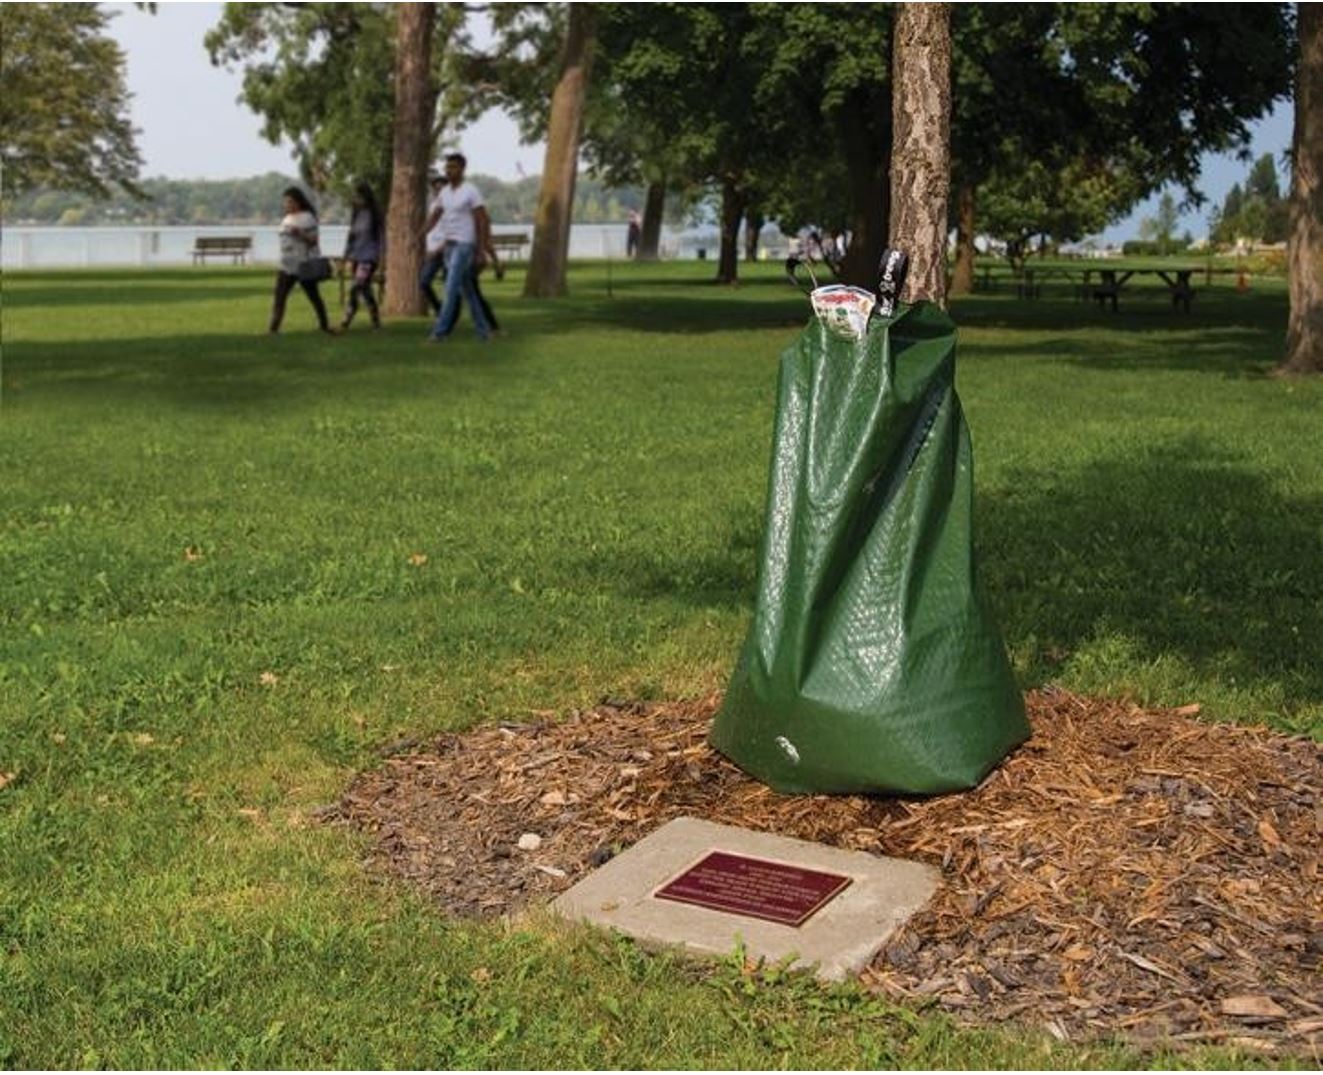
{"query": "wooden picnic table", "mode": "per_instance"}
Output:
(1111, 279)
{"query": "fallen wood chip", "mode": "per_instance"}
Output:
(1262, 1007)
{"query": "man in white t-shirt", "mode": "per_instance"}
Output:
(458, 214)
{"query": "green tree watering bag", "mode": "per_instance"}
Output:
(873, 663)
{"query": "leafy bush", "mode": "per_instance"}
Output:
(1134, 248)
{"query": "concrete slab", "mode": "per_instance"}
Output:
(839, 939)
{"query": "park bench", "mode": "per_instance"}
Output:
(235, 247)
(515, 243)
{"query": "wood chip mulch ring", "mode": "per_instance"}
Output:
(1126, 872)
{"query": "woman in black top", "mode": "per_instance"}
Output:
(363, 249)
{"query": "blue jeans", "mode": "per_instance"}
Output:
(433, 263)
(459, 278)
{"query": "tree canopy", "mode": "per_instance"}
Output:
(322, 76)
(1065, 113)
(64, 110)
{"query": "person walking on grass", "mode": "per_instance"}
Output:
(633, 234)
(434, 261)
(434, 256)
(363, 247)
(298, 248)
(459, 212)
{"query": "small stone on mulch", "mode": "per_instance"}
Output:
(1126, 871)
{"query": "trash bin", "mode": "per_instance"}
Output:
(873, 662)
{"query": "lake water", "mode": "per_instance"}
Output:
(73, 247)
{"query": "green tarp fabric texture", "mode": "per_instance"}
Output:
(873, 663)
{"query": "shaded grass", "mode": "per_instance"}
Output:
(588, 497)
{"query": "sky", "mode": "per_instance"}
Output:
(216, 137)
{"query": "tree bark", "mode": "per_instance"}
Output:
(1304, 256)
(654, 205)
(962, 277)
(414, 102)
(555, 203)
(753, 226)
(920, 156)
(732, 209)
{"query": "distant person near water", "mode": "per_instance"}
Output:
(466, 231)
(634, 234)
(299, 258)
(363, 246)
(434, 260)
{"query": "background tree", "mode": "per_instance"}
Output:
(1258, 212)
(1223, 223)
(321, 75)
(920, 159)
(415, 104)
(1162, 225)
(684, 75)
(256, 200)
(624, 149)
(551, 231)
(1304, 331)
(1128, 96)
(64, 108)
(823, 100)
(1013, 103)
(1066, 203)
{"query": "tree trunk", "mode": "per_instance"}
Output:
(1304, 331)
(920, 157)
(962, 278)
(732, 209)
(753, 227)
(654, 206)
(555, 202)
(867, 163)
(414, 101)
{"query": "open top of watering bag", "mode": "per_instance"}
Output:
(873, 662)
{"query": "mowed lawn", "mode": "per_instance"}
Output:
(233, 567)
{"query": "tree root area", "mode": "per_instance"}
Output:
(1126, 872)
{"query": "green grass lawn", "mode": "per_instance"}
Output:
(214, 608)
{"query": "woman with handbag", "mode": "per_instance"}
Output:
(301, 260)
(363, 247)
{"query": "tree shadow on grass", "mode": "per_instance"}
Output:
(1149, 312)
(1235, 352)
(1187, 552)
(148, 287)
(690, 314)
(703, 574)
(245, 372)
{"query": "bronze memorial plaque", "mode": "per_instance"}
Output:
(758, 888)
